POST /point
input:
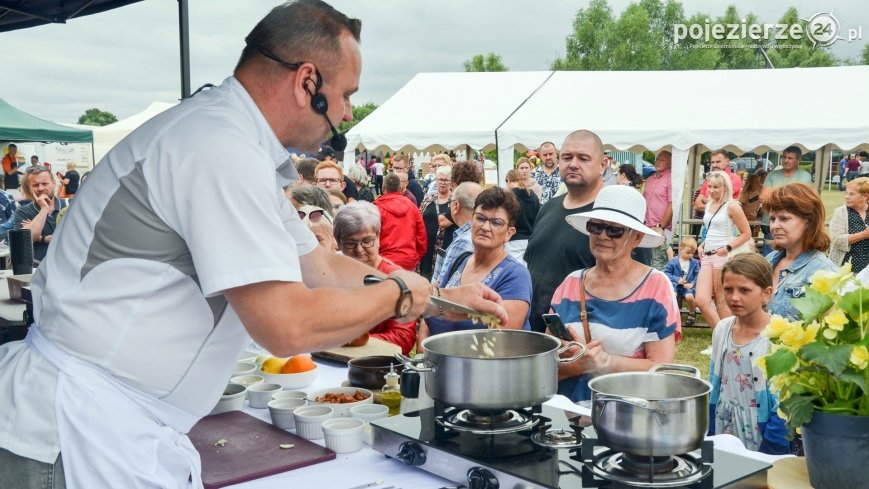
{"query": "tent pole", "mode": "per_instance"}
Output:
(184, 30)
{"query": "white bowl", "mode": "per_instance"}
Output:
(343, 435)
(249, 356)
(369, 412)
(290, 395)
(244, 368)
(231, 400)
(291, 381)
(247, 380)
(341, 409)
(259, 395)
(282, 412)
(309, 420)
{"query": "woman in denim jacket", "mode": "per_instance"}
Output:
(797, 225)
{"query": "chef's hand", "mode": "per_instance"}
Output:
(476, 296)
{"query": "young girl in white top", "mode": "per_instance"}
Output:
(722, 215)
(740, 402)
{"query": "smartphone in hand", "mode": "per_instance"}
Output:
(556, 326)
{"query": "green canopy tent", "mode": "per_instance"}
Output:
(17, 125)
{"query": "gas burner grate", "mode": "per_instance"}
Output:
(609, 468)
(487, 424)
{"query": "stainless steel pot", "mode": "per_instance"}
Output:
(651, 413)
(522, 372)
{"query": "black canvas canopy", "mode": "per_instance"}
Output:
(20, 14)
(17, 125)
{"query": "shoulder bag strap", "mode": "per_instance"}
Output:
(455, 266)
(584, 314)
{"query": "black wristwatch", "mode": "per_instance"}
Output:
(729, 248)
(405, 300)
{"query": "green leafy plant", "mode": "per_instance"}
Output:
(822, 363)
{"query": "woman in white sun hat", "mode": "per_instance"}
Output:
(633, 321)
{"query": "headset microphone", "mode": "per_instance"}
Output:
(321, 106)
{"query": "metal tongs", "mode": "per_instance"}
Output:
(433, 300)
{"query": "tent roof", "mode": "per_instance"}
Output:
(436, 111)
(20, 14)
(17, 125)
(740, 110)
(736, 109)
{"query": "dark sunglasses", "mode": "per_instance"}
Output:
(596, 228)
(313, 216)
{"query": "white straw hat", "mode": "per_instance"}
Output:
(622, 205)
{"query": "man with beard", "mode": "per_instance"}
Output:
(720, 161)
(547, 174)
(40, 215)
(556, 249)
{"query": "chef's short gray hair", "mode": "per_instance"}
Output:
(356, 217)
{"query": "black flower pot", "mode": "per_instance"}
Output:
(837, 450)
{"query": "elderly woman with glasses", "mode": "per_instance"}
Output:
(438, 220)
(632, 320)
(495, 213)
(357, 231)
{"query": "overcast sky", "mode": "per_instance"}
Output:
(122, 60)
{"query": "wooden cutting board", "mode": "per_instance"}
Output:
(375, 347)
(252, 449)
(789, 473)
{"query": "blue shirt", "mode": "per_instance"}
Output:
(510, 279)
(792, 280)
(461, 244)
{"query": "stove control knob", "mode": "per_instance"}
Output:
(480, 478)
(411, 454)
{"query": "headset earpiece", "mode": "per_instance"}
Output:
(318, 100)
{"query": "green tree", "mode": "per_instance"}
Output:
(694, 54)
(636, 47)
(359, 112)
(864, 57)
(487, 62)
(587, 46)
(740, 54)
(799, 52)
(97, 117)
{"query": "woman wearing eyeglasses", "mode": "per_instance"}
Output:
(357, 231)
(438, 220)
(633, 320)
(493, 223)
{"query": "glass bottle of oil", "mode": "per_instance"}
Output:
(391, 393)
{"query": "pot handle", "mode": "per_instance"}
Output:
(408, 363)
(575, 357)
(663, 367)
(661, 415)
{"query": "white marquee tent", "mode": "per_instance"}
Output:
(106, 137)
(686, 112)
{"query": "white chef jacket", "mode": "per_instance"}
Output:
(187, 206)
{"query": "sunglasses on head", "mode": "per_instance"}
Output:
(313, 216)
(596, 228)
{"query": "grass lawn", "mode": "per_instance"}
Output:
(694, 340)
(832, 198)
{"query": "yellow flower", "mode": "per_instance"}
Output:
(830, 333)
(836, 319)
(777, 325)
(860, 357)
(796, 337)
(826, 282)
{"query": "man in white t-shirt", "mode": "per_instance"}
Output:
(156, 281)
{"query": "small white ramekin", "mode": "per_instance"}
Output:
(309, 421)
(282, 412)
(343, 435)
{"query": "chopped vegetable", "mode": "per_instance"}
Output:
(221, 442)
(490, 321)
(285, 446)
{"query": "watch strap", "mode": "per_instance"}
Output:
(404, 291)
